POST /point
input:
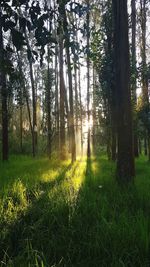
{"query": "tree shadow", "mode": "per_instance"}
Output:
(85, 232)
(28, 170)
(47, 214)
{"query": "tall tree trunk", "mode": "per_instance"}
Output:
(143, 53)
(76, 96)
(113, 126)
(68, 117)
(125, 159)
(25, 93)
(145, 144)
(4, 96)
(81, 112)
(21, 134)
(133, 85)
(94, 110)
(56, 96)
(88, 78)
(72, 130)
(34, 114)
(140, 146)
(48, 101)
(67, 40)
(144, 80)
(62, 99)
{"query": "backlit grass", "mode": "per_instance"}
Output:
(53, 213)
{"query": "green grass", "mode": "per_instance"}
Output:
(55, 214)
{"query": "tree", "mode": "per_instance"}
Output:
(144, 71)
(88, 76)
(62, 93)
(134, 72)
(125, 158)
(67, 46)
(4, 94)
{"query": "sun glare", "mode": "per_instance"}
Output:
(87, 125)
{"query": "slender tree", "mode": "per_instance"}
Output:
(67, 45)
(4, 94)
(144, 77)
(62, 93)
(88, 77)
(133, 64)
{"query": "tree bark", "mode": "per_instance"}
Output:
(133, 85)
(125, 159)
(67, 45)
(81, 112)
(62, 99)
(34, 112)
(48, 101)
(26, 96)
(4, 96)
(144, 79)
(88, 78)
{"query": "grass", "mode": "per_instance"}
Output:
(53, 214)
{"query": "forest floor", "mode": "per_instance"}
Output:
(56, 214)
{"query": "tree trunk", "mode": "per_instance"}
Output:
(133, 84)
(34, 114)
(4, 97)
(125, 159)
(76, 97)
(140, 146)
(67, 40)
(62, 100)
(145, 145)
(48, 101)
(81, 112)
(94, 110)
(56, 97)
(21, 135)
(88, 78)
(22, 84)
(144, 79)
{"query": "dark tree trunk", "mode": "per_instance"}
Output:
(34, 113)
(113, 138)
(72, 130)
(48, 101)
(71, 120)
(68, 118)
(21, 134)
(56, 97)
(76, 97)
(133, 84)
(140, 146)
(62, 100)
(88, 78)
(22, 84)
(125, 159)
(81, 112)
(94, 111)
(4, 97)
(145, 145)
(144, 79)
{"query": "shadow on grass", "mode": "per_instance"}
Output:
(104, 226)
(39, 227)
(27, 169)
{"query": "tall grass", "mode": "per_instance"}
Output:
(53, 213)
